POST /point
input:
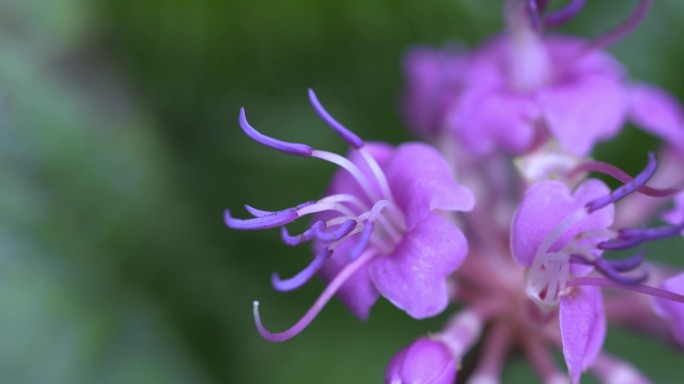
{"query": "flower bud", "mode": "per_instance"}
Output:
(424, 361)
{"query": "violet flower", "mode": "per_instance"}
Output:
(561, 237)
(380, 229)
(522, 89)
(540, 243)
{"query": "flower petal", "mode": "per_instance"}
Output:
(583, 110)
(413, 276)
(583, 328)
(489, 118)
(544, 206)
(358, 293)
(672, 311)
(657, 112)
(422, 181)
(433, 80)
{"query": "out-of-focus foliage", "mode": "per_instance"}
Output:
(119, 150)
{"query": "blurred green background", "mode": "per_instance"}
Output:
(120, 149)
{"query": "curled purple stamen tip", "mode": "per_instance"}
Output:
(650, 234)
(607, 270)
(282, 146)
(272, 221)
(261, 213)
(627, 188)
(628, 263)
(347, 135)
(612, 268)
(284, 285)
(564, 14)
(343, 230)
(361, 245)
(620, 244)
(302, 237)
(322, 300)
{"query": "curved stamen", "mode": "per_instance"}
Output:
(626, 188)
(623, 29)
(276, 220)
(640, 288)
(631, 237)
(619, 244)
(564, 14)
(284, 285)
(612, 268)
(343, 230)
(302, 237)
(607, 270)
(362, 244)
(534, 12)
(261, 213)
(322, 300)
(321, 207)
(349, 167)
(391, 227)
(378, 173)
(282, 146)
(344, 198)
(627, 264)
(620, 175)
(346, 135)
(648, 234)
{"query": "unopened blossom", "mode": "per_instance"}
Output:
(379, 230)
(424, 361)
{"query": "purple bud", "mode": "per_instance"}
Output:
(424, 361)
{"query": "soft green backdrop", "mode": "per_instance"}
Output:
(119, 150)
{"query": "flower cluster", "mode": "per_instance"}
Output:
(532, 265)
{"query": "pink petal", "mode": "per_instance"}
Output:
(544, 206)
(413, 276)
(657, 112)
(672, 311)
(580, 112)
(583, 328)
(421, 181)
(433, 84)
(490, 118)
(358, 293)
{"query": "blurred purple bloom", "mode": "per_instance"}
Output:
(522, 89)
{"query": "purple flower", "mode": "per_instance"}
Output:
(521, 89)
(561, 236)
(672, 311)
(380, 229)
(424, 361)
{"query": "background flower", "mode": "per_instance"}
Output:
(119, 150)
